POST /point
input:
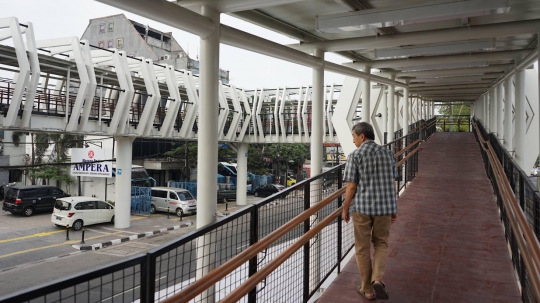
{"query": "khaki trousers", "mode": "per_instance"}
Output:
(374, 229)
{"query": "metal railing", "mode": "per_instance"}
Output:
(239, 247)
(454, 123)
(518, 203)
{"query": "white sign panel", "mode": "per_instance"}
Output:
(88, 162)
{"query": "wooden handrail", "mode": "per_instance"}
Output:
(401, 152)
(527, 241)
(262, 273)
(219, 273)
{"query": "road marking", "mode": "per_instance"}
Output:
(43, 234)
(50, 246)
(101, 232)
(125, 231)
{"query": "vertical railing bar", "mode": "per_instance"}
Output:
(339, 223)
(306, 246)
(253, 238)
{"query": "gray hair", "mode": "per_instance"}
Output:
(364, 128)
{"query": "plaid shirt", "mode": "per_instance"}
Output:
(373, 169)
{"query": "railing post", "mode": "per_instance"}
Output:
(339, 223)
(307, 202)
(148, 279)
(522, 196)
(253, 238)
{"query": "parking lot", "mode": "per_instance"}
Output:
(30, 245)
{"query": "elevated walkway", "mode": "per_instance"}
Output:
(448, 243)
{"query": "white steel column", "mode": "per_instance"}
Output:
(520, 122)
(500, 112)
(207, 155)
(392, 105)
(317, 120)
(405, 111)
(418, 109)
(384, 112)
(493, 110)
(366, 98)
(508, 123)
(241, 169)
(208, 123)
(122, 183)
(486, 111)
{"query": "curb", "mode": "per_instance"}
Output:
(134, 237)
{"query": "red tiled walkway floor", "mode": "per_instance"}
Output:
(448, 243)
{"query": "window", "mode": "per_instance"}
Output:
(110, 27)
(15, 175)
(27, 193)
(62, 205)
(185, 196)
(89, 205)
(43, 192)
(103, 205)
(159, 194)
(110, 44)
(120, 43)
(57, 192)
(102, 28)
(101, 44)
(173, 196)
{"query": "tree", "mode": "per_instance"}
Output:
(284, 153)
(61, 144)
(255, 161)
(458, 111)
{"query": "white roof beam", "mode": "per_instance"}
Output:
(456, 71)
(400, 14)
(425, 37)
(229, 6)
(446, 91)
(486, 82)
(437, 60)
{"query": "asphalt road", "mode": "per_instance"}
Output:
(30, 245)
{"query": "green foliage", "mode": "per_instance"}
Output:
(460, 112)
(50, 172)
(284, 153)
(16, 138)
(255, 160)
(61, 144)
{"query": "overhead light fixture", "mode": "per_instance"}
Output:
(444, 66)
(409, 14)
(435, 49)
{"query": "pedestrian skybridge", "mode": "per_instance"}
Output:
(469, 214)
(455, 230)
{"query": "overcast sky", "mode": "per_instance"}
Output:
(62, 18)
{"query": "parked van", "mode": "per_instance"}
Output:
(178, 200)
(226, 192)
(29, 199)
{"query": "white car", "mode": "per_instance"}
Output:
(81, 211)
(535, 171)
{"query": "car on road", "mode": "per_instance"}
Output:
(30, 199)
(81, 211)
(173, 199)
(268, 190)
(226, 192)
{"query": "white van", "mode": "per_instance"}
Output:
(178, 200)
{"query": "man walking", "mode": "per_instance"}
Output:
(370, 172)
